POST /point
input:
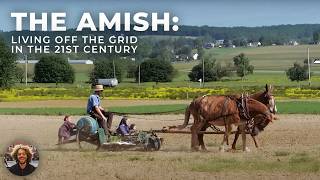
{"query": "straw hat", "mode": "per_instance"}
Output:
(98, 87)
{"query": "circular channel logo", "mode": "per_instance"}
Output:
(21, 158)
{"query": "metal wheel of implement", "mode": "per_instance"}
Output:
(153, 144)
(87, 141)
(79, 137)
(157, 144)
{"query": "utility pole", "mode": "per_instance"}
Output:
(244, 69)
(114, 69)
(26, 68)
(202, 72)
(309, 68)
(139, 75)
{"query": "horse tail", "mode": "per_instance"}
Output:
(186, 118)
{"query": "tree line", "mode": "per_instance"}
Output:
(272, 34)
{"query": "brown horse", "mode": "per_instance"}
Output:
(223, 111)
(265, 97)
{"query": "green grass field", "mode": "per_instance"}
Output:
(272, 58)
(288, 107)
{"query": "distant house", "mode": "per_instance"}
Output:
(195, 56)
(209, 45)
(131, 58)
(29, 61)
(182, 57)
(254, 44)
(316, 61)
(219, 42)
(293, 43)
(83, 61)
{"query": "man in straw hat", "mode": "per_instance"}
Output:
(96, 111)
(22, 154)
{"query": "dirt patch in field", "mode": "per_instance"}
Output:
(290, 136)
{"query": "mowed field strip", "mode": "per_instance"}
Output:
(134, 107)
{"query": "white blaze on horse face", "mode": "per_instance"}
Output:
(272, 107)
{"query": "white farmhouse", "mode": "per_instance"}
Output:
(195, 56)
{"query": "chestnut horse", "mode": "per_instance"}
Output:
(195, 109)
(267, 99)
(223, 111)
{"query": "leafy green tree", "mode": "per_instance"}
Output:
(201, 52)
(297, 72)
(163, 50)
(144, 50)
(131, 70)
(7, 66)
(243, 42)
(242, 65)
(212, 71)
(226, 42)
(53, 69)
(198, 43)
(165, 54)
(262, 40)
(186, 50)
(316, 37)
(19, 74)
(103, 69)
(155, 70)
(182, 41)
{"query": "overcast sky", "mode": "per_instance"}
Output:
(199, 12)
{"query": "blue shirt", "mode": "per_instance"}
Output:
(94, 100)
(123, 129)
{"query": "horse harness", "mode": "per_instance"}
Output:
(243, 108)
(242, 105)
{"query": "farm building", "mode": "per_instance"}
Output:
(254, 44)
(209, 45)
(69, 60)
(83, 61)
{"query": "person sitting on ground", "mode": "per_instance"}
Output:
(95, 110)
(124, 129)
(66, 130)
(132, 128)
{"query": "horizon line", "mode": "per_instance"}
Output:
(199, 26)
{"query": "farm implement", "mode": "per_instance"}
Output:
(88, 131)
